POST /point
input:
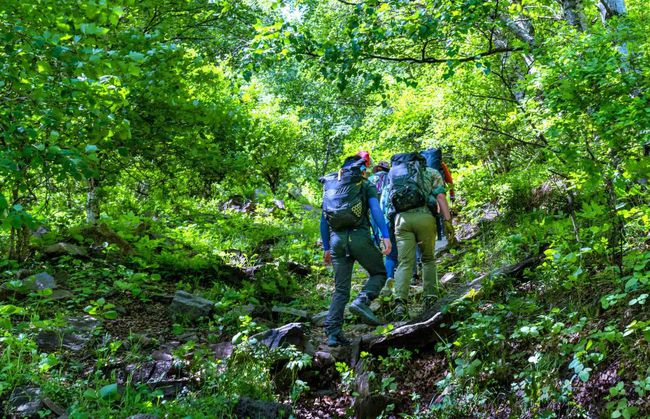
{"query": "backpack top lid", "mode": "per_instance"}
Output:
(433, 157)
(402, 158)
(352, 171)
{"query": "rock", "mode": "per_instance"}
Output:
(249, 408)
(301, 315)
(60, 249)
(289, 334)
(298, 269)
(191, 306)
(23, 273)
(84, 323)
(161, 356)
(73, 337)
(40, 281)
(24, 402)
(319, 319)
(449, 278)
(307, 207)
(222, 350)
(324, 359)
(40, 231)
(279, 204)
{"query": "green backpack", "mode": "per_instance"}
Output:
(406, 179)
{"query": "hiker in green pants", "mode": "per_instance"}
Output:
(416, 191)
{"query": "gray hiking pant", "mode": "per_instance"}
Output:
(348, 247)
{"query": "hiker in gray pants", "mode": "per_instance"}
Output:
(342, 247)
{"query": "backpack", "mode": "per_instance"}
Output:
(379, 179)
(406, 178)
(433, 157)
(344, 203)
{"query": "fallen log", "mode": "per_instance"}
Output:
(428, 327)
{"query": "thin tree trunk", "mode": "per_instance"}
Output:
(92, 202)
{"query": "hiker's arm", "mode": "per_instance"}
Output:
(450, 181)
(378, 216)
(325, 238)
(444, 207)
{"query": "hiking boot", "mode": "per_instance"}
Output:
(359, 308)
(337, 340)
(401, 311)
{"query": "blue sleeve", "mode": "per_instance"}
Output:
(324, 232)
(377, 216)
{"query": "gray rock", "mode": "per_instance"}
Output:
(302, 315)
(40, 231)
(307, 207)
(249, 408)
(60, 249)
(289, 334)
(324, 359)
(40, 281)
(191, 306)
(279, 204)
(24, 402)
(222, 350)
(319, 319)
(73, 337)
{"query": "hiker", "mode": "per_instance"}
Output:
(377, 179)
(434, 160)
(415, 193)
(345, 232)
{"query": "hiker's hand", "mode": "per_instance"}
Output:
(450, 234)
(327, 257)
(387, 248)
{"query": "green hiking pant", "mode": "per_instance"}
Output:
(411, 229)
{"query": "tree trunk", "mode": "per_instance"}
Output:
(428, 327)
(573, 13)
(92, 201)
(611, 8)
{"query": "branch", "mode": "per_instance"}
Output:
(505, 134)
(441, 60)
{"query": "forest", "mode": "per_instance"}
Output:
(165, 214)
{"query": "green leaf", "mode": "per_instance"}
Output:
(109, 392)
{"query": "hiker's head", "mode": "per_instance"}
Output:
(382, 166)
(366, 157)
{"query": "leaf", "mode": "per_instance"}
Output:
(91, 148)
(584, 374)
(110, 314)
(109, 392)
